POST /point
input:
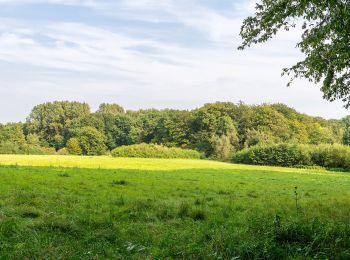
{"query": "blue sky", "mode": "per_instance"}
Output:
(143, 54)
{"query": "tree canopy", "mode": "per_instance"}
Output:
(325, 40)
(217, 130)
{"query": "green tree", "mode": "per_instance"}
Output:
(52, 121)
(73, 146)
(33, 139)
(346, 134)
(320, 135)
(173, 128)
(212, 126)
(222, 147)
(92, 142)
(113, 109)
(147, 121)
(255, 137)
(12, 133)
(94, 120)
(121, 129)
(325, 39)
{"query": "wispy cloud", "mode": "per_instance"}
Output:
(144, 53)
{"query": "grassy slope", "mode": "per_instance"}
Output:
(176, 208)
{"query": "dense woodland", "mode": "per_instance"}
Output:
(216, 130)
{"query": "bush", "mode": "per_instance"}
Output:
(154, 151)
(331, 156)
(73, 146)
(90, 140)
(276, 155)
(324, 155)
(63, 151)
(13, 148)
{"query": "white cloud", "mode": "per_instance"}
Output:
(95, 64)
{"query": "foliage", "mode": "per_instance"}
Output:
(12, 132)
(120, 130)
(113, 109)
(15, 148)
(51, 121)
(93, 120)
(320, 135)
(222, 147)
(33, 139)
(73, 146)
(63, 151)
(275, 154)
(325, 39)
(331, 156)
(216, 130)
(324, 155)
(154, 151)
(255, 137)
(91, 141)
(346, 134)
(213, 124)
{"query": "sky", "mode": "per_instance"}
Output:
(143, 54)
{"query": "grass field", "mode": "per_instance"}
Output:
(65, 207)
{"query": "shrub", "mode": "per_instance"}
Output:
(324, 155)
(9, 148)
(276, 155)
(48, 150)
(63, 151)
(331, 156)
(14, 148)
(91, 141)
(73, 146)
(154, 151)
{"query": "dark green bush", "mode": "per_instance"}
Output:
(324, 155)
(276, 154)
(154, 151)
(331, 156)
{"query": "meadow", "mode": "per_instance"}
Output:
(71, 207)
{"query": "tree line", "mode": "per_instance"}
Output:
(216, 130)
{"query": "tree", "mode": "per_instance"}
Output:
(173, 128)
(147, 120)
(94, 120)
(113, 109)
(51, 121)
(255, 137)
(213, 130)
(346, 134)
(320, 135)
(222, 147)
(325, 40)
(73, 146)
(33, 139)
(12, 133)
(120, 130)
(92, 142)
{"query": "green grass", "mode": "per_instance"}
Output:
(120, 208)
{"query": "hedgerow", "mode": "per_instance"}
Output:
(154, 151)
(296, 155)
(12, 148)
(276, 154)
